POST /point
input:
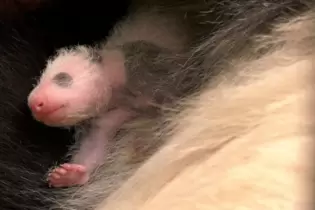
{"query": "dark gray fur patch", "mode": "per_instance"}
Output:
(63, 79)
(158, 74)
(95, 56)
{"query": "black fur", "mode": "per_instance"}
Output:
(234, 22)
(28, 148)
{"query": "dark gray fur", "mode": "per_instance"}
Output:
(95, 57)
(154, 73)
(233, 24)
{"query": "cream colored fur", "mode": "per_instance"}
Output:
(245, 142)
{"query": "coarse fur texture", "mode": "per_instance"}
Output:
(243, 142)
(24, 156)
(26, 41)
(136, 71)
(23, 164)
(144, 44)
(253, 141)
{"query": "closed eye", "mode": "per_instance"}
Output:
(63, 79)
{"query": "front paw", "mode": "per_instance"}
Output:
(67, 175)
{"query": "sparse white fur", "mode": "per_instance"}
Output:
(94, 80)
(97, 76)
(87, 82)
(243, 143)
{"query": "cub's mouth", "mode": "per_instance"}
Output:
(53, 118)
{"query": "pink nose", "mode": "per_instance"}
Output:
(37, 106)
(40, 107)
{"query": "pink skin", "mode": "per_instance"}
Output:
(59, 106)
(91, 152)
(90, 91)
(92, 88)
